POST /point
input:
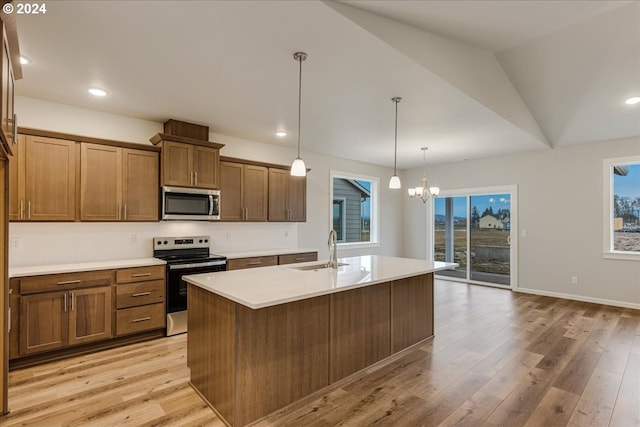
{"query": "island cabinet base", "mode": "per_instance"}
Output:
(249, 363)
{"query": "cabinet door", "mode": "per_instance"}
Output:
(278, 193)
(6, 119)
(177, 164)
(297, 198)
(140, 185)
(90, 315)
(231, 188)
(16, 182)
(43, 322)
(256, 193)
(50, 179)
(206, 163)
(100, 182)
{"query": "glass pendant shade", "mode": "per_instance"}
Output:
(394, 182)
(298, 168)
(434, 191)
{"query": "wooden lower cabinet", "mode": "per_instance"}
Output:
(53, 320)
(55, 311)
(295, 258)
(140, 299)
(43, 322)
(252, 262)
(90, 315)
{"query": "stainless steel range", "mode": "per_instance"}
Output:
(184, 256)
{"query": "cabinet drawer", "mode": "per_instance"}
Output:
(293, 258)
(140, 274)
(258, 261)
(142, 293)
(136, 319)
(65, 281)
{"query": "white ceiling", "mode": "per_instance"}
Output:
(477, 78)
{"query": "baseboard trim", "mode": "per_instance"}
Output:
(614, 303)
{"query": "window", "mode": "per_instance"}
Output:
(354, 208)
(622, 208)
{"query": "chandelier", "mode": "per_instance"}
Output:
(424, 192)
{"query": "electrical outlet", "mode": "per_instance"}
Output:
(524, 233)
(16, 242)
(134, 239)
(574, 280)
(286, 234)
(228, 235)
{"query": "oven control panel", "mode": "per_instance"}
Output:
(163, 243)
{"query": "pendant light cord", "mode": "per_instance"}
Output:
(300, 59)
(395, 148)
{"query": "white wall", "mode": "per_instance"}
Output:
(559, 205)
(47, 243)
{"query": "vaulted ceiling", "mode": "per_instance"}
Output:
(477, 78)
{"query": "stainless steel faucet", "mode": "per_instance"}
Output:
(333, 249)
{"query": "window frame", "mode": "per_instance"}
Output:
(343, 216)
(375, 204)
(608, 252)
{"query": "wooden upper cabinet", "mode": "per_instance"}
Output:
(7, 118)
(48, 167)
(187, 165)
(206, 163)
(231, 191)
(16, 181)
(100, 182)
(243, 192)
(118, 184)
(287, 196)
(140, 185)
(177, 164)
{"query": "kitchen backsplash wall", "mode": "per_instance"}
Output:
(56, 243)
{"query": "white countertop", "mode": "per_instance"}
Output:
(265, 252)
(268, 286)
(38, 270)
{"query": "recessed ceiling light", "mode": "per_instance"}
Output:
(633, 100)
(97, 91)
(24, 60)
(281, 133)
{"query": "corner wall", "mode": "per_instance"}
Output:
(560, 206)
(48, 243)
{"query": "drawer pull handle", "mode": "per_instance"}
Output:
(142, 319)
(141, 294)
(69, 282)
(141, 275)
(255, 263)
(300, 258)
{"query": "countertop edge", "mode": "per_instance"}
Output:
(266, 252)
(317, 293)
(41, 270)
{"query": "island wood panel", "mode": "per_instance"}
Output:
(411, 311)
(360, 329)
(282, 356)
(211, 348)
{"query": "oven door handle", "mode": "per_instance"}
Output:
(196, 265)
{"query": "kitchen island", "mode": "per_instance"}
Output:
(261, 339)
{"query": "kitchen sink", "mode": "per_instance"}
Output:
(318, 266)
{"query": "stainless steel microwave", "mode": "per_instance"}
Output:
(190, 204)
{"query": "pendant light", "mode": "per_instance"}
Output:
(298, 167)
(394, 182)
(424, 192)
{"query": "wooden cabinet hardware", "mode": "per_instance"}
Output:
(69, 282)
(141, 294)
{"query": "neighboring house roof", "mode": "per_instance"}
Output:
(621, 170)
(363, 190)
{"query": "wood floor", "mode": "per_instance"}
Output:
(498, 359)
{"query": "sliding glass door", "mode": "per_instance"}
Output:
(473, 229)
